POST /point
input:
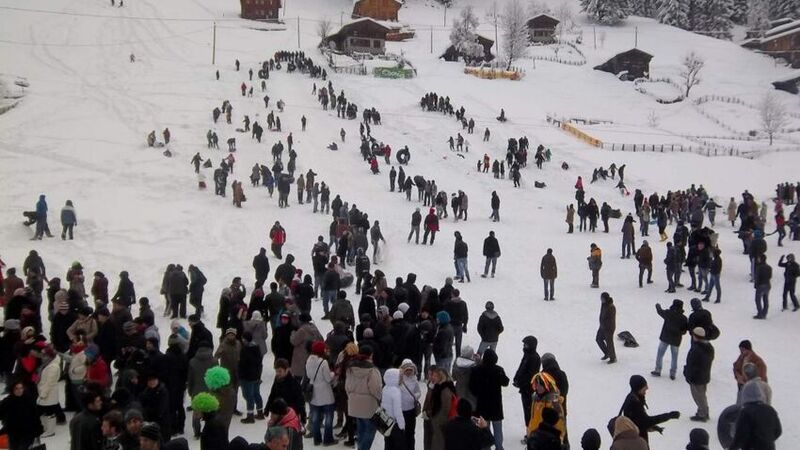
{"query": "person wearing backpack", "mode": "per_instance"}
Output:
(440, 406)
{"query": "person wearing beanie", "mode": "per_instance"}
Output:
(591, 440)
(529, 366)
(645, 258)
(697, 372)
(133, 420)
(758, 425)
(546, 436)
(342, 310)
(460, 255)
(491, 250)
(747, 355)
(715, 271)
(627, 435)
(635, 408)
(443, 342)
(465, 431)
(490, 327)
(608, 325)
(431, 226)
(150, 436)
(698, 439)
(250, 371)
(595, 260)
(457, 310)
(322, 402)
(674, 327)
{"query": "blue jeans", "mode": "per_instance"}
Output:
(762, 300)
(713, 282)
(462, 270)
(365, 434)
(702, 279)
(497, 431)
(551, 292)
(445, 363)
(662, 348)
(490, 260)
(327, 298)
(252, 395)
(317, 415)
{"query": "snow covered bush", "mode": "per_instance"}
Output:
(463, 35)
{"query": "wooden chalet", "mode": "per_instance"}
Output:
(362, 35)
(782, 41)
(635, 63)
(451, 54)
(260, 9)
(542, 29)
(376, 9)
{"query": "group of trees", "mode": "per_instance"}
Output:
(709, 17)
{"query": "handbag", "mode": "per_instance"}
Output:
(383, 422)
(37, 445)
(307, 386)
(417, 406)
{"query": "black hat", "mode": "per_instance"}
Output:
(550, 416)
(591, 440)
(151, 431)
(637, 382)
(698, 439)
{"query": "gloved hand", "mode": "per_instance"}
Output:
(674, 415)
(657, 428)
(463, 328)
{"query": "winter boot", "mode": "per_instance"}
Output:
(249, 418)
(260, 414)
(49, 425)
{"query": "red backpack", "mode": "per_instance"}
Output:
(453, 406)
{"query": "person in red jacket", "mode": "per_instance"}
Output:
(278, 236)
(431, 226)
(97, 372)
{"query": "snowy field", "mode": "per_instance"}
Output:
(79, 134)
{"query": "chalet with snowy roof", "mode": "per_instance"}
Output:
(790, 84)
(628, 65)
(376, 9)
(542, 29)
(782, 41)
(451, 54)
(260, 9)
(363, 35)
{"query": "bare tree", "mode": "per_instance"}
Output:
(324, 27)
(690, 74)
(773, 114)
(652, 119)
(515, 32)
(602, 38)
(493, 16)
(566, 17)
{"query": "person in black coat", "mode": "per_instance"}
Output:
(125, 290)
(758, 425)
(62, 320)
(635, 408)
(491, 250)
(178, 291)
(281, 338)
(528, 367)
(547, 436)
(413, 298)
(675, 326)
(84, 428)
(261, 267)
(465, 432)
(177, 372)
(106, 338)
(215, 433)
(250, 368)
(459, 315)
(199, 334)
(20, 417)
(486, 383)
(285, 272)
(304, 295)
(287, 388)
(697, 372)
(155, 404)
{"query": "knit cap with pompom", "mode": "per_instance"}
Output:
(217, 377)
(205, 403)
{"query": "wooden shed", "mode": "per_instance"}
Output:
(376, 9)
(260, 9)
(635, 63)
(782, 42)
(542, 29)
(451, 54)
(362, 35)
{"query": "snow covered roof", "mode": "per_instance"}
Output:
(772, 37)
(783, 28)
(364, 19)
(546, 17)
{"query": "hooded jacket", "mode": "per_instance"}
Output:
(490, 326)
(363, 387)
(675, 324)
(486, 383)
(319, 373)
(391, 397)
(626, 436)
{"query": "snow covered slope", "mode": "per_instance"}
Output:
(80, 132)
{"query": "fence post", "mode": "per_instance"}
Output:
(623, 147)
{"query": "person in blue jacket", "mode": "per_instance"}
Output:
(41, 219)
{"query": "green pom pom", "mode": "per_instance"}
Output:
(205, 403)
(217, 377)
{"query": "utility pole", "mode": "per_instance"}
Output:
(636, 37)
(214, 44)
(298, 31)
(444, 22)
(594, 34)
(431, 38)
(341, 18)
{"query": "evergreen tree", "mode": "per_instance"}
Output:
(758, 16)
(714, 18)
(609, 12)
(645, 8)
(739, 12)
(779, 9)
(675, 13)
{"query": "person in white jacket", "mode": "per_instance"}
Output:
(410, 395)
(391, 402)
(322, 402)
(48, 389)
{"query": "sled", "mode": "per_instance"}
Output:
(726, 425)
(403, 156)
(333, 146)
(539, 184)
(615, 214)
(207, 163)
